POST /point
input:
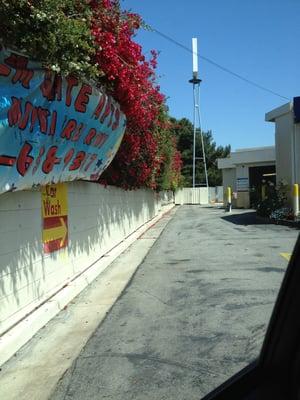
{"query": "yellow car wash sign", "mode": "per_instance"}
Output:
(55, 217)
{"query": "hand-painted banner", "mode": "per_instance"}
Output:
(52, 129)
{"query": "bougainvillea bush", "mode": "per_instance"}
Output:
(94, 40)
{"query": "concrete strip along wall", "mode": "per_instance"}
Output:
(98, 219)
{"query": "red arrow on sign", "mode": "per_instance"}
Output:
(55, 233)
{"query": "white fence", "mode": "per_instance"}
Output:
(192, 196)
(98, 219)
(216, 194)
(200, 195)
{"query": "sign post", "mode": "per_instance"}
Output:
(55, 217)
(296, 199)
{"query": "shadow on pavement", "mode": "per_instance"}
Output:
(247, 218)
(214, 207)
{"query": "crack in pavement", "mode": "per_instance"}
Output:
(145, 292)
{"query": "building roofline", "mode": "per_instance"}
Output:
(254, 149)
(278, 112)
(253, 155)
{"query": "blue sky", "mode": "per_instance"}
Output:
(259, 39)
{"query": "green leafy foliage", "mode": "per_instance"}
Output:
(183, 131)
(276, 198)
(55, 32)
(94, 40)
(283, 213)
(169, 176)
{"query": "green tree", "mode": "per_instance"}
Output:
(184, 132)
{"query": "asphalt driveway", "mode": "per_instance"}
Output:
(194, 313)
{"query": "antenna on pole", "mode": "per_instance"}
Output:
(195, 60)
(196, 116)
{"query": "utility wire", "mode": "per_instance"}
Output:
(250, 82)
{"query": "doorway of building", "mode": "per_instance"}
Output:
(261, 179)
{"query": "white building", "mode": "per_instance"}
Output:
(287, 142)
(247, 170)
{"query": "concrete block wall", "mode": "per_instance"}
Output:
(98, 219)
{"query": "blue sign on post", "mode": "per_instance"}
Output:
(52, 129)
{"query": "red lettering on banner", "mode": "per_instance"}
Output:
(7, 161)
(51, 160)
(15, 112)
(93, 157)
(78, 132)
(43, 114)
(57, 87)
(91, 134)
(68, 157)
(117, 119)
(53, 123)
(80, 156)
(24, 159)
(22, 74)
(46, 85)
(38, 160)
(112, 108)
(100, 139)
(69, 129)
(83, 98)
(71, 82)
(106, 111)
(34, 116)
(99, 108)
(51, 87)
(95, 139)
(4, 70)
(27, 113)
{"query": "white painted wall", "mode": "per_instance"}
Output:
(229, 180)
(297, 152)
(99, 218)
(284, 148)
(287, 141)
(254, 156)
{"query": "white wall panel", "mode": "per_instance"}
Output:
(192, 196)
(98, 219)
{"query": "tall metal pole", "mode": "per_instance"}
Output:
(196, 99)
(194, 139)
(201, 135)
(195, 81)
